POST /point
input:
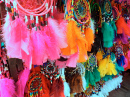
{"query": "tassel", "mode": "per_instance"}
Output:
(121, 61)
(72, 61)
(23, 78)
(111, 85)
(112, 23)
(103, 67)
(39, 54)
(119, 69)
(108, 35)
(75, 41)
(92, 26)
(57, 88)
(57, 32)
(111, 69)
(127, 61)
(87, 74)
(6, 32)
(96, 74)
(114, 26)
(89, 36)
(76, 84)
(122, 26)
(84, 83)
(124, 38)
(66, 89)
(7, 88)
(92, 77)
(18, 38)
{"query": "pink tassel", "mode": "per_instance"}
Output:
(16, 37)
(39, 45)
(124, 38)
(52, 49)
(58, 34)
(129, 55)
(21, 84)
(27, 59)
(60, 64)
(6, 32)
(126, 63)
(72, 61)
(7, 88)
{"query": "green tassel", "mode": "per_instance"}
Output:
(108, 35)
(96, 74)
(113, 25)
(92, 79)
(108, 77)
(87, 78)
(119, 69)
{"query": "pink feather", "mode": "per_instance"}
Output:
(7, 88)
(16, 38)
(6, 29)
(124, 38)
(60, 64)
(39, 51)
(72, 61)
(126, 63)
(21, 84)
(51, 45)
(27, 59)
(6, 32)
(58, 34)
(129, 55)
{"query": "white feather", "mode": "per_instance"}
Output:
(66, 89)
(92, 26)
(109, 86)
(84, 82)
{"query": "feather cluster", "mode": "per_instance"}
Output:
(7, 88)
(122, 26)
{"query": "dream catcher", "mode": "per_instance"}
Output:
(78, 30)
(119, 54)
(115, 13)
(92, 75)
(92, 63)
(35, 32)
(96, 14)
(106, 9)
(97, 17)
(37, 84)
(50, 71)
(108, 25)
(81, 13)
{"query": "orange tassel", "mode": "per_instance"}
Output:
(75, 42)
(89, 37)
(122, 26)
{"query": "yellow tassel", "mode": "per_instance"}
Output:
(103, 67)
(99, 55)
(111, 68)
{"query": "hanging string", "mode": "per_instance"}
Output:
(36, 12)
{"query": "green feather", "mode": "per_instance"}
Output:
(108, 35)
(96, 74)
